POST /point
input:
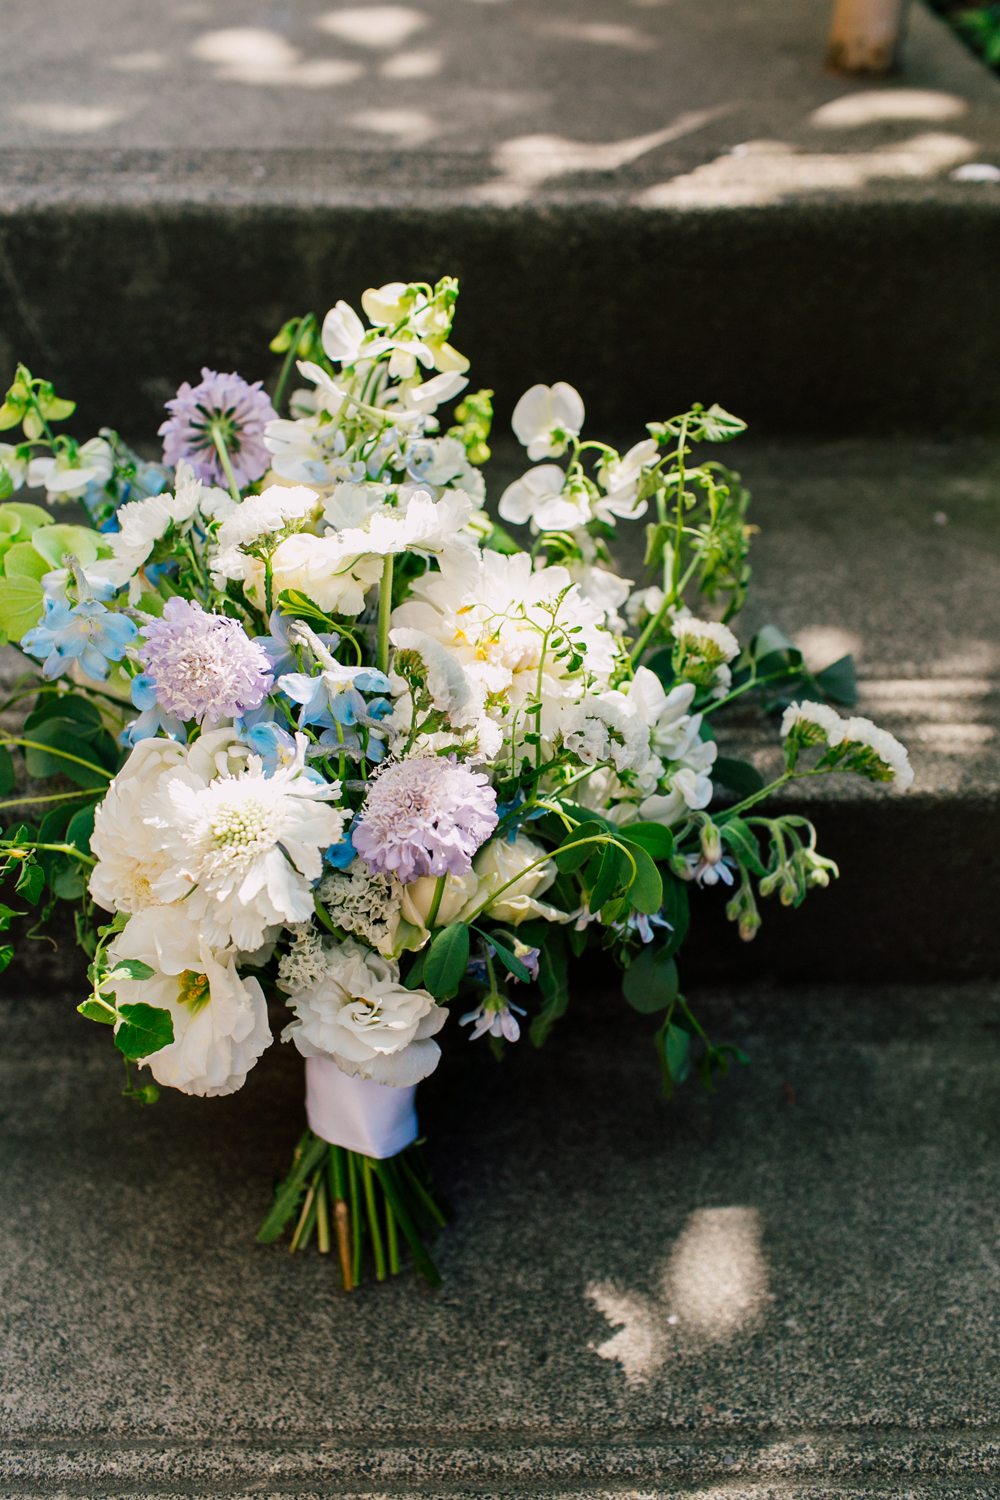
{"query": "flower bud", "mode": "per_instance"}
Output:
(711, 844)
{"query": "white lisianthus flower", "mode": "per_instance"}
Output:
(220, 1020)
(546, 418)
(66, 479)
(342, 334)
(620, 477)
(361, 1017)
(315, 566)
(244, 850)
(495, 864)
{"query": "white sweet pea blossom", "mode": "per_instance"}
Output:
(620, 477)
(15, 468)
(521, 501)
(243, 851)
(422, 525)
(359, 1015)
(546, 418)
(426, 398)
(644, 605)
(342, 334)
(66, 479)
(602, 588)
(220, 1021)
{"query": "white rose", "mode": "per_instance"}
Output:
(418, 896)
(360, 1015)
(220, 1020)
(496, 863)
(316, 567)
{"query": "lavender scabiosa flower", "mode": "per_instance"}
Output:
(222, 411)
(425, 816)
(203, 666)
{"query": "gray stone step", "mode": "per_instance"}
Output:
(642, 198)
(731, 1296)
(888, 550)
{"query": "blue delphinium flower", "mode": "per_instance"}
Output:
(334, 696)
(343, 854)
(87, 633)
(153, 719)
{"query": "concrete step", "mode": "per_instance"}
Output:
(889, 550)
(787, 1289)
(650, 201)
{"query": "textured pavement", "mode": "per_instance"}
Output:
(789, 1288)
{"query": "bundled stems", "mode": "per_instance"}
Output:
(384, 611)
(368, 1200)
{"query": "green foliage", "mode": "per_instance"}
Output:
(446, 961)
(651, 982)
(146, 1028)
(553, 981)
(474, 416)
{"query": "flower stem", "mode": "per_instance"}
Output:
(269, 584)
(286, 368)
(384, 611)
(373, 1223)
(436, 902)
(223, 452)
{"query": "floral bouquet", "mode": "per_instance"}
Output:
(318, 730)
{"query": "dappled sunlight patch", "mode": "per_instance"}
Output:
(714, 1287)
(872, 106)
(374, 26)
(251, 54)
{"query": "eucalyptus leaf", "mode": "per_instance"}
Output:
(70, 882)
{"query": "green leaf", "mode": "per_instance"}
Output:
(500, 540)
(25, 561)
(718, 425)
(131, 968)
(663, 665)
(651, 981)
(146, 1030)
(6, 954)
(8, 776)
(63, 706)
(568, 858)
(677, 1047)
(30, 515)
(446, 961)
(740, 838)
(30, 882)
(607, 876)
(839, 681)
(6, 913)
(81, 826)
(95, 1011)
(415, 973)
(70, 882)
(657, 534)
(645, 892)
(738, 775)
(506, 955)
(64, 735)
(657, 841)
(53, 825)
(553, 971)
(53, 542)
(22, 601)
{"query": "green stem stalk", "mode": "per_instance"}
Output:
(436, 902)
(223, 452)
(384, 611)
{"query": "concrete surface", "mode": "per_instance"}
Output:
(609, 181)
(733, 1295)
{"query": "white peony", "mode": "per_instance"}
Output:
(220, 1020)
(360, 1015)
(129, 858)
(545, 419)
(244, 850)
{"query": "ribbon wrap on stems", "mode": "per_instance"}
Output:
(358, 1113)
